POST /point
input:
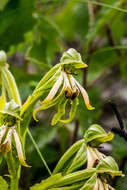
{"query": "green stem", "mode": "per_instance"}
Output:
(14, 171)
(39, 153)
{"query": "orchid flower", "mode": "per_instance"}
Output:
(9, 115)
(63, 87)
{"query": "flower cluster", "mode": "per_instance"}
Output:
(9, 118)
(69, 172)
(62, 87)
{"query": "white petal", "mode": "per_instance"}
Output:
(73, 84)
(6, 145)
(101, 187)
(96, 185)
(67, 86)
(2, 131)
(66, 80)
(91, 157)
(85, 96)
(54, 89)
(19, 148)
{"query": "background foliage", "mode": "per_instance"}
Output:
(34, 34)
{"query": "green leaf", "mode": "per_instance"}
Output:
(96, 135)
(8, 29)
(3, 4)
(3, 184)
(90, 184)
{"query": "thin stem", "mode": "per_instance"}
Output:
(38, 151)
(117, 114)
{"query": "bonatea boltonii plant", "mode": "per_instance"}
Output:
(57, 87)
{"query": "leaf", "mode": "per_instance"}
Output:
(8, 29)
(3, 184)
(3, 4)
(74, 104)
(96, 135)
(90, 184)
(67, 155)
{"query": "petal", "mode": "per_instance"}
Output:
(54, 89)
(91, 157)
(19, 149)
(6, 145)
(67, 86)
(2, 131)
(96, 185)
(101, 187)
(85, 96)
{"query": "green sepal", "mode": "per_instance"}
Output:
(9, 84)
(58, 180)
(90, 184)
(10, 111)
(47, 182)
(75, 177)
(47, 76)
(74, 104)
(75, 186)
(67, 155)
(79, 159)
(2, 102)
(71, 59)
(61, 110)
(109, 166)
(95, 135)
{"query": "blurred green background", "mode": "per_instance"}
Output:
(35, 33)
